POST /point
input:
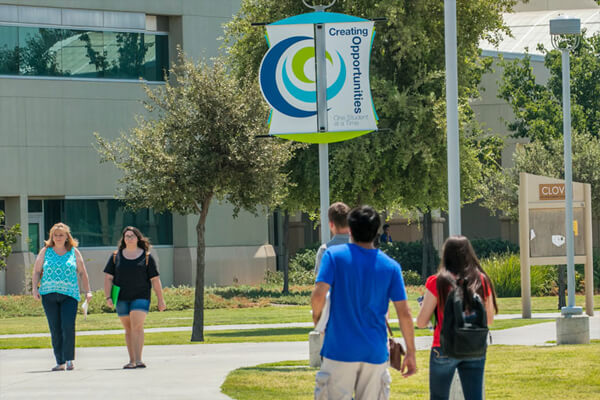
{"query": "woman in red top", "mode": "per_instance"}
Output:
(458, 262)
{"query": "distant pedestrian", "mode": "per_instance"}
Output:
(133, 269)
(459, 265)
(60, 263)
(362, 280)
(338, 224)
(385, 237)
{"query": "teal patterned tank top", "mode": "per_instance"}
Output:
(60, 274)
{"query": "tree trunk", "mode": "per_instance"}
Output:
(428, 263)
(562, 286)
(286, 252)
(198, 325)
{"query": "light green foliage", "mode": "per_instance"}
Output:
(538, 117)
(505, 273)
(404, 167)
(8, 237)
(198, 144)
(538, 108)
(545, 158)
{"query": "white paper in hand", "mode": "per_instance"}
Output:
(322, 324)
(84, 307)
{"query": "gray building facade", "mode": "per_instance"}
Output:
(71, 68)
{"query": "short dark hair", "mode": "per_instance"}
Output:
(385, 226)
(338, 214)
(364, 223)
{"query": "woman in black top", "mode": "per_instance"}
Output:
(133, 269)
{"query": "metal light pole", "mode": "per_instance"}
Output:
(565, 33)
(321, 75)
(452, 118)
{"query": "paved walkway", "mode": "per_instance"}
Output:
(178, 371)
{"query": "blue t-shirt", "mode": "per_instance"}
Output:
(363, 281)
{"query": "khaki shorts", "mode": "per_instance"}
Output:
(338, 380)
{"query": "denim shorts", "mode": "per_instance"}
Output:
(124, 307)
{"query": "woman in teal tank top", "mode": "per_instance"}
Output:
(59, 264)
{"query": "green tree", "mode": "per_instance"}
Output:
(8, 237)
(199, 144)
(538, 107)
(402, 167)
(545, 158)
(538, 117)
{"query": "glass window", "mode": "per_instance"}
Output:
(9, 50)
(34, 206)
(40, 51)
(126, 52)
(100, 222)
(157, 58)
(2, 206)
(83, 54)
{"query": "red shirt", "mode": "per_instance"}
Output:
(431, 285)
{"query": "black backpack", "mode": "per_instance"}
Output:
(464, 336)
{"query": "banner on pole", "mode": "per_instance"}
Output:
(288, 78)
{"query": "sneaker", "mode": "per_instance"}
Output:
(58, 367)
(70, 365)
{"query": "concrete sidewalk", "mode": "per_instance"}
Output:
(178, 371)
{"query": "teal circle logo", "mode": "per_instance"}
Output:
(290, 60)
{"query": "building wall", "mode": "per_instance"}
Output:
(46, 150)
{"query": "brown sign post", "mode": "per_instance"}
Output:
(542, 231)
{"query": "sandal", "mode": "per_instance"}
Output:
(60, 367)
(129, 366)
(139, 364)
(70, 366)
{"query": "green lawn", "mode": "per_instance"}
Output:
(221, 316)
(252, 315)
(229, 336)
(512, 372)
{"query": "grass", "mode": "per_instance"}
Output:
(228, 336)
(546, 304)
(512, 372)
(221, 316)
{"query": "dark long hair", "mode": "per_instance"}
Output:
(460, 267)
(143, 242)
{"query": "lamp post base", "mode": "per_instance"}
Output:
(571, 311)
(573, 330)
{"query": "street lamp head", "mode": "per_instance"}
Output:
(564, 32)
(319, 7)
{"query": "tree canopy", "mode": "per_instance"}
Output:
(538, 117)
(546, 159)
(403, 166)
(538, 106)
(198, 143)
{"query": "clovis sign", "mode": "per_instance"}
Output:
(289, 82)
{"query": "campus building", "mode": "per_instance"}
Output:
(71, 68)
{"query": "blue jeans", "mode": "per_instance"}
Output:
(441, 373)
(124, 307)
(61, 311)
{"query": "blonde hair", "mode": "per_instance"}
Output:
(69, 243)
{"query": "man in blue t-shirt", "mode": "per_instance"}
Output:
(362, 280)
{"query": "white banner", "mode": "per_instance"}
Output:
(288, 80)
